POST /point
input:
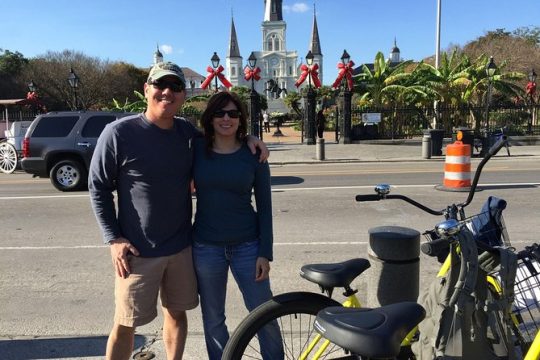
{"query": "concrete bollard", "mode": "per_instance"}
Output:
(320, 149)
(426, 146)
(394, 253)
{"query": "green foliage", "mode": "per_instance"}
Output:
(532, 35)
(129, 106)
(11, 63)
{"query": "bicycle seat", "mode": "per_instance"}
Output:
(375, 333)
(336, 274)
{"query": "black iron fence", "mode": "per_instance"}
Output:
(403, 123)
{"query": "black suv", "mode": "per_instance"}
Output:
(59, 145)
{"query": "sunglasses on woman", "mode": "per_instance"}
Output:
(173, 86)
(232, 113)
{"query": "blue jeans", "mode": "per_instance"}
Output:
(212, 264)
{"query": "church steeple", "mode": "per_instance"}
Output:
(233, 62)
(315, 45)
(315, 42)
(272, 10)
(158, 56)
(234, 50)
(395, 53)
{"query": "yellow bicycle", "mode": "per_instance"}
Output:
(356, 331)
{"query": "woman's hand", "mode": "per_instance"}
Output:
(262, 269)
(255, 143)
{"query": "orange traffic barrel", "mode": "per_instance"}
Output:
(457, 167)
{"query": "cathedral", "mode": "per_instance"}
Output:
(278, 65)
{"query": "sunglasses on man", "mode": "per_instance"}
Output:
(172, 85)
(232, 113)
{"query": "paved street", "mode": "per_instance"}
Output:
(56, 279)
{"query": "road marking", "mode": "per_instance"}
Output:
(364, 171)
(312, 243)
(42, 197)
(53, 247)
(393, 186)
(275, 189)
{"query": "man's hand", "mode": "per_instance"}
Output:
(253, 143)
(262, 269)
(119, 251)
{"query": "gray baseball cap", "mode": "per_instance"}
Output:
(162, 69)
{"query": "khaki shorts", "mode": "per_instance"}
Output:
(173, 277)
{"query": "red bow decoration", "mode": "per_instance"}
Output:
(344, 71)
(31, 96)
(213, 73)
(309, 70)
(248, 73)
(531, 88)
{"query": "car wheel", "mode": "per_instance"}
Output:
(68, 175)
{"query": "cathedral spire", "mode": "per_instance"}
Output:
(234, 50)
(315, 42)
(158, 56)
(272, 10)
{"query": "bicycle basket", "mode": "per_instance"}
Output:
(488, 229)
(526, 307)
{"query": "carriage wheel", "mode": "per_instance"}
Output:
(8, 158)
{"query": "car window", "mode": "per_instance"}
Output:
(55, 126)
(95, 125)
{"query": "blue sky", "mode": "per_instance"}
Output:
(189, 31)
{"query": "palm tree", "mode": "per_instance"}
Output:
(475, 91)
(370, 84)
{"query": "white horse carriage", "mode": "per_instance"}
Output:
(12, 131)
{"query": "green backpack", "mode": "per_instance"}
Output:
(464, 320)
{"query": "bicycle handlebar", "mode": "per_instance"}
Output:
(453, 209)
(434, 247)
(368, 197)
(491, 152)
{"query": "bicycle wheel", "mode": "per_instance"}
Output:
(295, 314)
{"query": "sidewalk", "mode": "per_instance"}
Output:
(288, 149)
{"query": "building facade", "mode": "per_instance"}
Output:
(279, 66)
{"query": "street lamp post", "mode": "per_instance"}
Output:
(215, 64)
(310, 129)
(73, 80)
(531, 89)
(491, 68)
(347, 95)
(254, 99)
(32, 87)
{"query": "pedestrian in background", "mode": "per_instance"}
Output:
(228, 233)
(321, 123)
(266, 122)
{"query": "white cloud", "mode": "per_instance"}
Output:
(296, 7)
(167, 49)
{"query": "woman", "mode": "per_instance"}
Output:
(228, 232)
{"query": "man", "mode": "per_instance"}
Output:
(266, 122)
(147, 159)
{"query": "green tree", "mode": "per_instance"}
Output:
(99, 80)
(503, 85)
(11, 66)
(245, 94)
(370, 84)
(532, 35)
